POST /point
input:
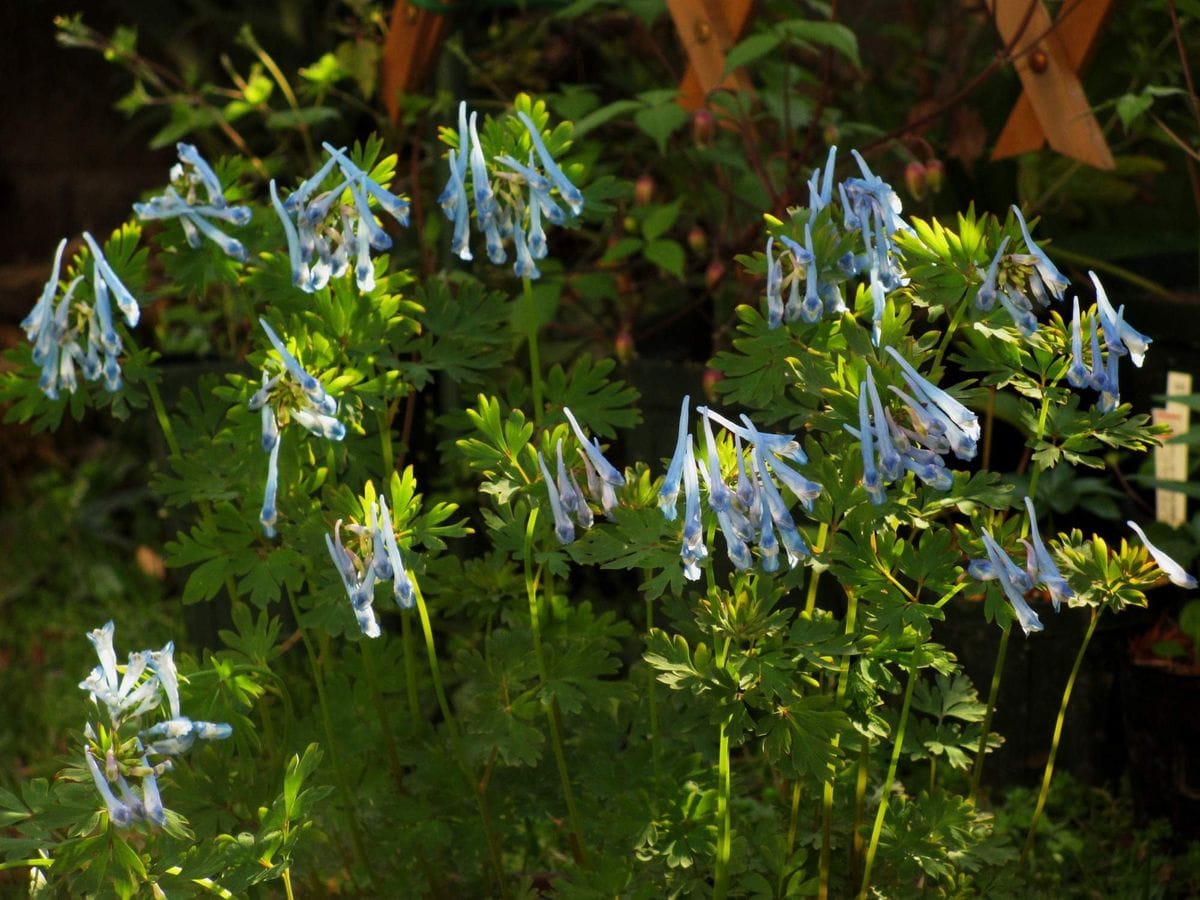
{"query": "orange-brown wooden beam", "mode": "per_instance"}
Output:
(708, 29)
(413, 43)
(1047, 56)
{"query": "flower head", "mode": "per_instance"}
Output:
(181, 201)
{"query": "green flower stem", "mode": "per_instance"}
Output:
(897, 746)
(479, 788)
(385, 443)
(827, 788)
(725, 839)
(410, 675)
(961, 311)
(860, 806)
(793, 826)
(553, 712)
(339, 772)
(1002, 650)
(389, 740)
(535, 359)
(810, 601)
(1058, 727)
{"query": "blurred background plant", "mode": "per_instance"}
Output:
(647, 300)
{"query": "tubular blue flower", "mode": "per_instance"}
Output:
(669, 492)
(402, 586)
(364, 270)
(783, 445)
(231, 246)
(1077, 373)
(118, 813)
(268, 515)
(872, 481)
(394, 206)
(524, 267)
(1110, 396)
(889, 458)
(570, 194)
(125, 300)
(380, 561)
(1002, 566)
(1175, 573)
(819, 198)
(692, 549)
(151, 799)
(564, 528)
(1097, 376)
(1053, 279)
(719, 495)
(1017, 306)
(1124, 335)
(485, 201)
(789, 534)
(137, 809)
(774, 288)
(212, 185)
(812, 307)
(163, 663)
(986, 295)
(307, 383)
(607, 471)
(43, 310)
(1047, 570)
(300, 273)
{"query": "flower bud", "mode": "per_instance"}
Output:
(643, 190)
(703, 127)
(697, 240)
(714, 274)
(709, 381)
(915, 179)
(623, 346)
(935, 174)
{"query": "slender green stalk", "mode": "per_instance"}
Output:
(810, 601)
(901, 726)
(535, 359)
(793, 827)
(410, 675)
(1048, 774)
(287, 883)
(1002, 650)
(339, 772)
(478, 788)
(385, 445)
(993, 694)
(553, 713)
(828, 786)
(724, 819)
(961, 311)
(860, 806)
(389, 740)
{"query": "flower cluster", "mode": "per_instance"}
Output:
(1035, 277)
(380, 560)
(195, 215)
(753, 510)
(55, 328)
(567, 501)
(128, 693)
(1120, 339)
(870, 207)
(1015, 582)
(323, 233)
(511, 197)
(300, 398)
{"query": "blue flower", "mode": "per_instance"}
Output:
(151, 798)
(960, 425)
(570, 194)
(1053, 279)
(871, 481)
(1175, 573)
(118, 813)
(775, 308)
(358, 580)
(784, 445)
(669, 491)
(1013, 582)
(607, 471)
(1048, 574)
(194, 215)
(402, 586)
(986, 295)
(819, 198)
(1077, 373)
(1124, 338)
(692, 549)
(564, 528)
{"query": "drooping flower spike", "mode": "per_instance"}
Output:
(1124, 337)
(669, 491)
(511, 197)
(1013, 582)
(1047, 573)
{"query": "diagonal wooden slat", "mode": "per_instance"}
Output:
(413, 43)
(707, 29)
(1053, 105)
